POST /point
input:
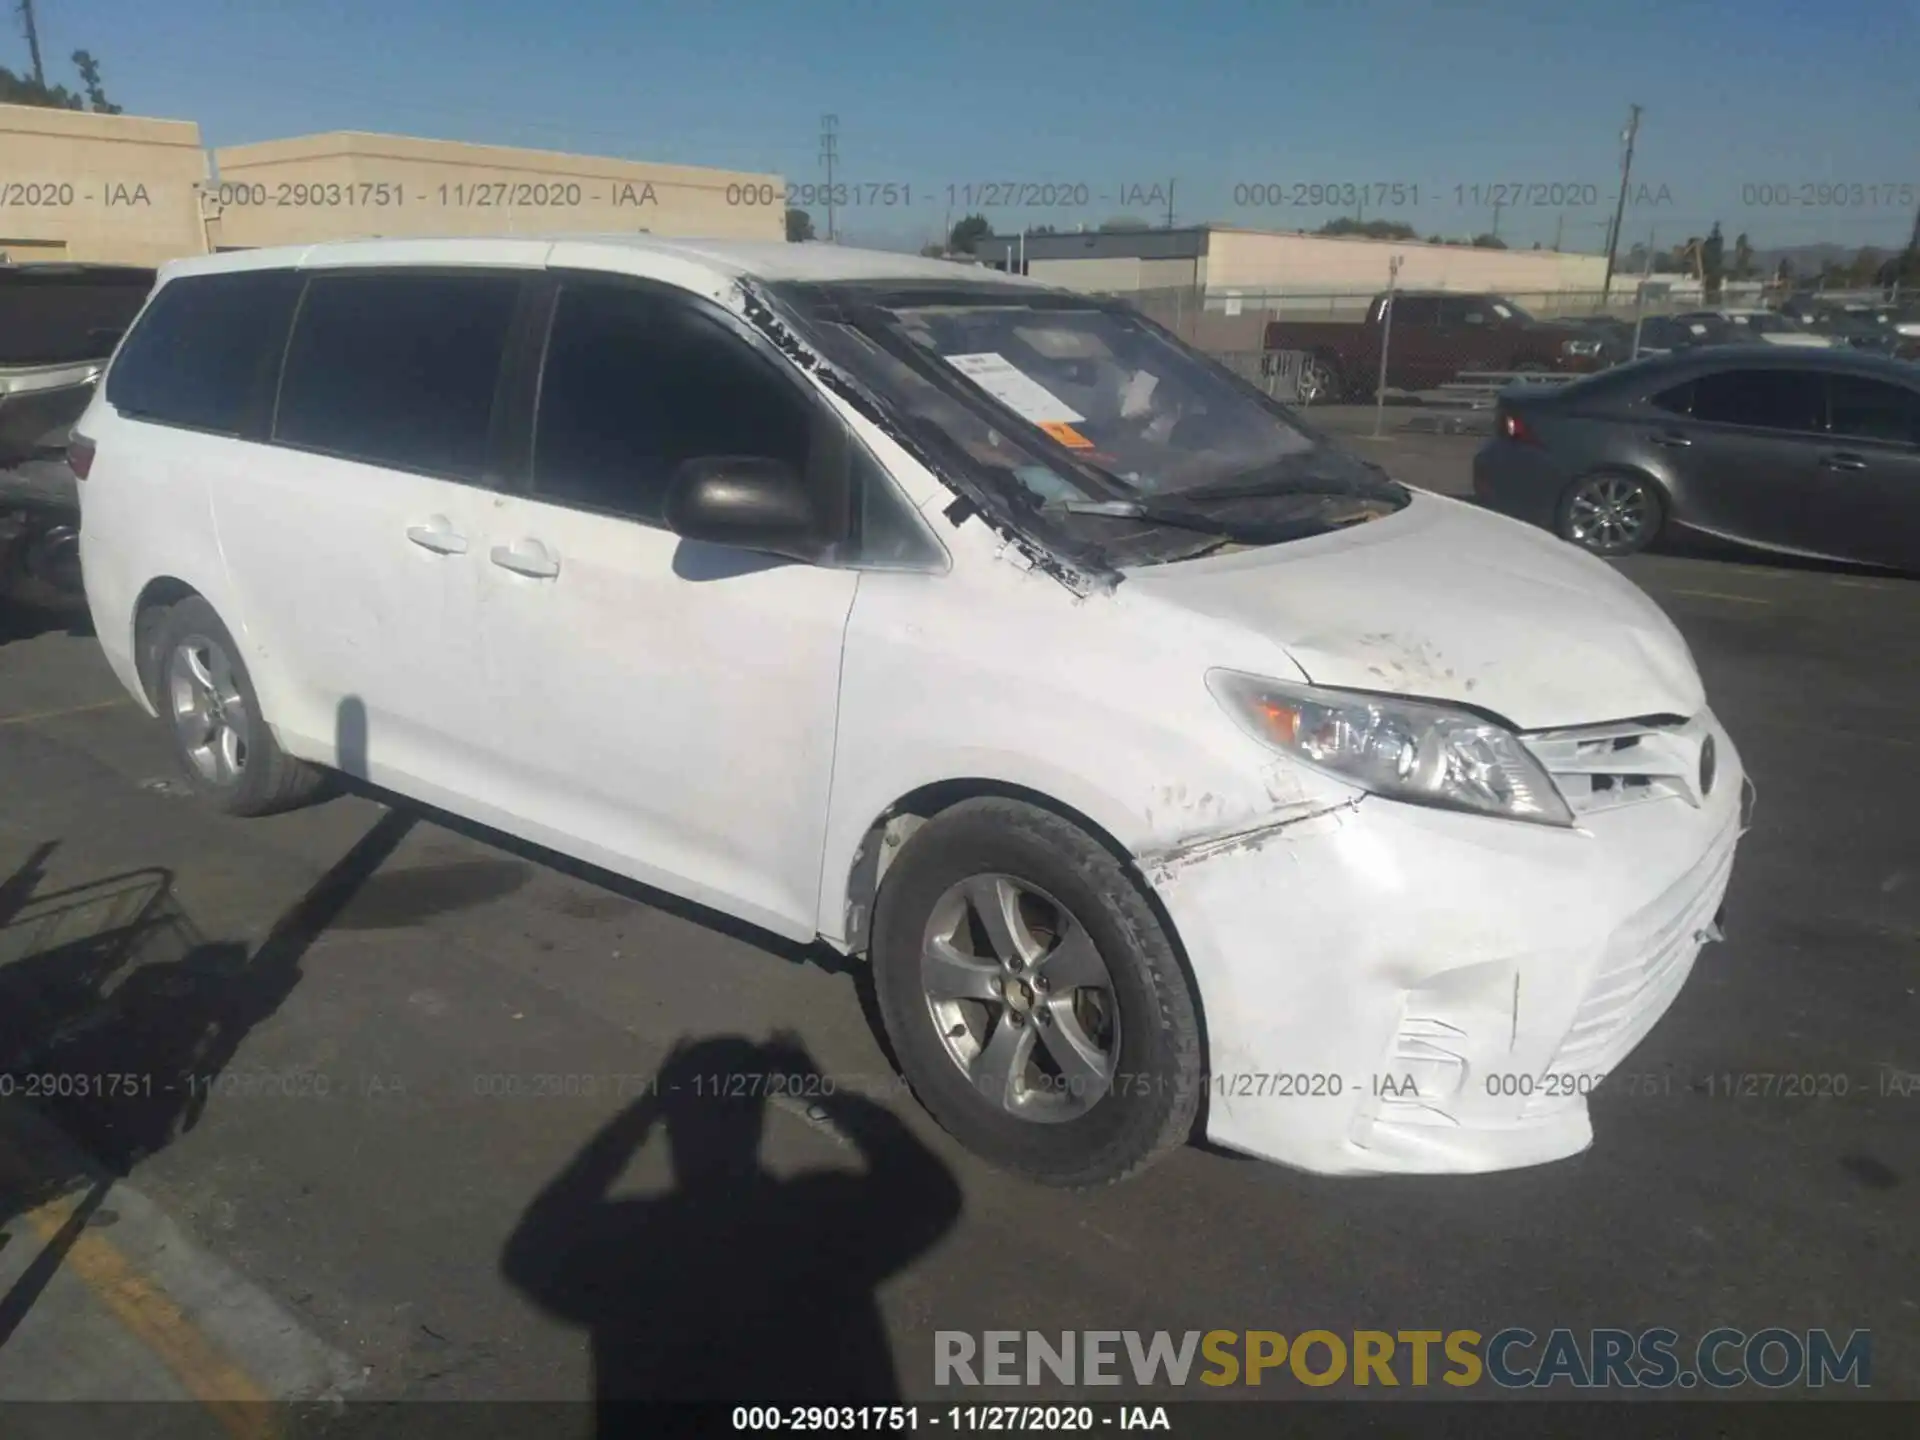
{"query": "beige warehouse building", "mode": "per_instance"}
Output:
(132, 190)
(114, 189)
(347, 184)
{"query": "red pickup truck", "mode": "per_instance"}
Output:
(1435, 336)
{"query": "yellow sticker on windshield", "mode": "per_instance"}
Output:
(1066, 434)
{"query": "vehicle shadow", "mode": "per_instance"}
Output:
(116, 1016)
(21, 620)
(735, 1282)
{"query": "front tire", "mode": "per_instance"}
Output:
(1033, 999)
(212, 713)
(1611, 513)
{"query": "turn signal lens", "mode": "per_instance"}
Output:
(80, 455)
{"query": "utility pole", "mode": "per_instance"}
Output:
(1559, 229)
(829, 155)
(1496, 219)
(33, 42)
(1620, 206)
(1169, 204)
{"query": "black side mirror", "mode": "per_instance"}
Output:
(748, 502)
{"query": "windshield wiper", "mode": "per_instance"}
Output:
(1303, 473)
(1181, 517)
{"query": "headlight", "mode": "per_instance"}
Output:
(1580, 347)
(1401, 749)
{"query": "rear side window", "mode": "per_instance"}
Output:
(1863, 409)
(1761, 399)
(398, 370)
(204, 352)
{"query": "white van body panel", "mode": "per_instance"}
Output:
(1383, 987)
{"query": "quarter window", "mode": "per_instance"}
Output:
(398, 370)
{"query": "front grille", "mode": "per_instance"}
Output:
(1605, 767)
(1647, 961)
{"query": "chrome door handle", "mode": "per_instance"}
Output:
(1843, 462)
(1672, 441)
(527, 557)
(438, 536)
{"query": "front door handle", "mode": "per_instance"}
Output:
(438, 536)
(1843, 461)
(527, 557)
(1672, 441)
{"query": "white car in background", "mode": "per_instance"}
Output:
(1767, 326)
(1154, 750)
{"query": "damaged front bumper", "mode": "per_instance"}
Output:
(1388, 988)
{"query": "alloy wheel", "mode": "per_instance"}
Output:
(208, 711)
(1610, 514)
(1020, 997)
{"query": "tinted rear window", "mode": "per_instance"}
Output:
(49, 317)
(204, 349)
(398, 370)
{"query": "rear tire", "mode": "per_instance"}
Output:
(1611, 513)
(1059, 1040)
(207, 701)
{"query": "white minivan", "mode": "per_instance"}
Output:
(1176, 770)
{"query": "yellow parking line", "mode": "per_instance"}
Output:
(1724, 595)
(28, 719)
(150, 1317)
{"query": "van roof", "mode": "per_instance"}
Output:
(758, 259)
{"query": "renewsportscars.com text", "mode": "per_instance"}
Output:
(1512, 1358)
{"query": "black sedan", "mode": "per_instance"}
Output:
(1806, 452)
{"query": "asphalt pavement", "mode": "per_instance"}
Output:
(374, 1109)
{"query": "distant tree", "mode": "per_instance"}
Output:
(799, 225)
(1488, 242)
(89, 69)
(1435, 240)
(1536, 244)
(968, 233)
(1124, 224)
(1712, 263)
(933, 250)
(1866, 266)
(1743, 266)
(1371, 229)
(1636, 261)
(1043, 230)
(25, 90)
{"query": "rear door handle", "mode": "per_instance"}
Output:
(1843, 461)
(438, 535)
(1672, 441)
(527, 557)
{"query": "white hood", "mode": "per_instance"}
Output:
(1445, 601)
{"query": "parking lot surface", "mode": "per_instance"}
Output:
(362, 1142)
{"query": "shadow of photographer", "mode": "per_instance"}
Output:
(736, 1282)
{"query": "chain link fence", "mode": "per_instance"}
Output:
(1317, 347)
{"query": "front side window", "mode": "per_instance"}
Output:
(1761, 399)
(636, 384)
(1862, 409)
(398, 369)
(204, 350)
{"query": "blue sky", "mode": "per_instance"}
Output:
(1116, 97)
